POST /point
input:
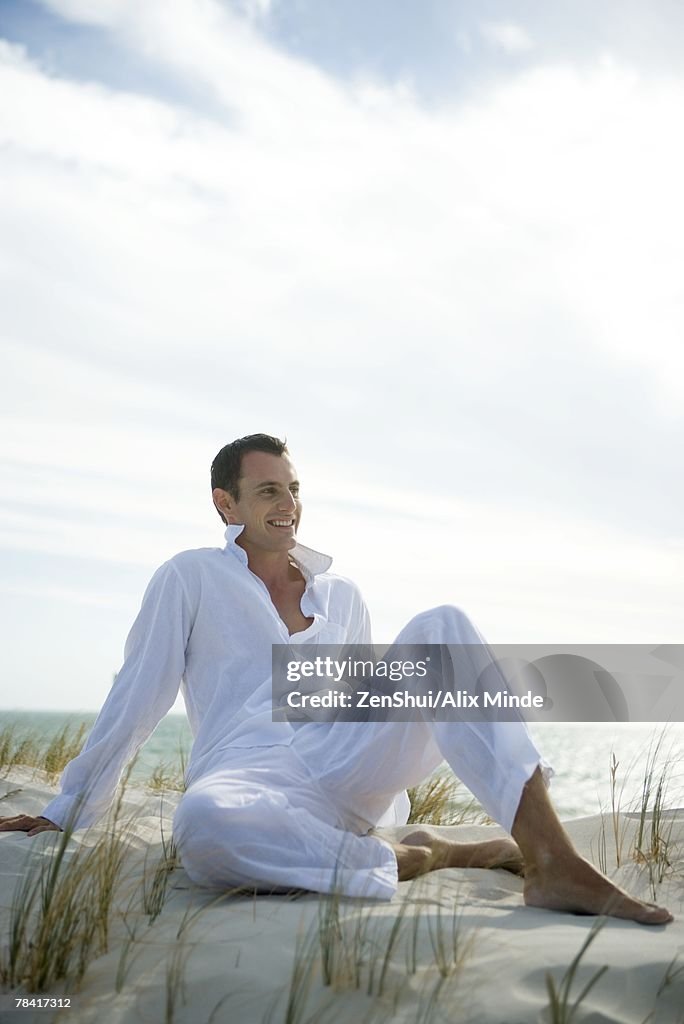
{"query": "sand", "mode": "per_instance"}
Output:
(456, 945)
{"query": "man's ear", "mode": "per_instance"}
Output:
(225, 503)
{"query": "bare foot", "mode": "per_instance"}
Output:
(491, 853)
(572, 884)
(412, 860)
(556, 877)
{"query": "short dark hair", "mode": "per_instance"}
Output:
(227, 466)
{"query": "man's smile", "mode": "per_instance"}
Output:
(281, 522)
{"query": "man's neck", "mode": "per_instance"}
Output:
(272, 567)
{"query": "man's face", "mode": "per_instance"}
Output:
(268, 504)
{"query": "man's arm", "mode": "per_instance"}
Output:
(144, 690)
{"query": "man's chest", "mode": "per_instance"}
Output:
(287, 603)
(237, 619)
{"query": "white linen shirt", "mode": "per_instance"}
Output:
(206, 624)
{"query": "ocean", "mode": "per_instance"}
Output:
(580, 754)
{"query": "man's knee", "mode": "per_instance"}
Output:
(214, 832)
(227, 810)
(445, 623)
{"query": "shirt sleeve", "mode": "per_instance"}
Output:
(143, 691)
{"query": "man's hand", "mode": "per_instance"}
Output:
(26, 823)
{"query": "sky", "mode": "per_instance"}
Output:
(436, 245)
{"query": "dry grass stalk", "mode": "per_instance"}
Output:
(653, 840)
(361, 950)
(154, 892)
(618, 821)
(28, 748)
(305, 968)
(16, 750)
(357, 952)
(671, 984)
(170, 776)
(175, 979)
(562, 1011)
(451, 943)
(61, 911)
(439, 801)
(616, 796)
(165, 777)
(62, 748)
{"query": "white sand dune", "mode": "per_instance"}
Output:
(456, 945)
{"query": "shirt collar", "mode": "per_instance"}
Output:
(311, 562)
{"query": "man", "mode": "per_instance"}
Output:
(281, 806)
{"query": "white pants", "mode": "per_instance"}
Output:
(294, 816)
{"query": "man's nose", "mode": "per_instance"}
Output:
(288, 503)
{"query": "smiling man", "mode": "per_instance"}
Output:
(259, 490)
(277, 806)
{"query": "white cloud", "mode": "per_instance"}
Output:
(103, 13)
(528, 194)
(506, 36)
(256, 10)
(50, 592)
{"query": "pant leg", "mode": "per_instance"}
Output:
(364, 764)
(262, 821)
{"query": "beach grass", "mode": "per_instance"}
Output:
(169, 776)
(49, 756)
(649, 845)
(62, 909)
(27, 748)
(155, 883)
(165, 777)
(443, 800)
(563, 1006)
(671, 984)
(376, 959)
(653, 840)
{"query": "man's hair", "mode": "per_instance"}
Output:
(227, 466)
